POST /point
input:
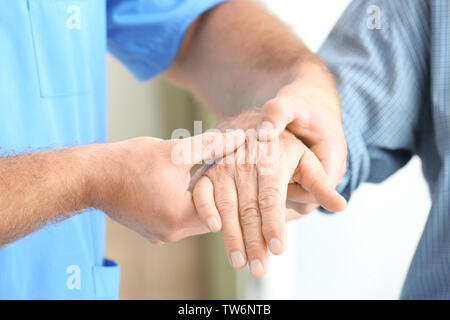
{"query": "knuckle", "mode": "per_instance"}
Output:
(251, 223)
(304, 168)
(269, 199)
(231, 239)
(226, 206)
(273, 106)
(253, 245)
(212, 174)
(217, 172)
(246, 169)
(249, 214)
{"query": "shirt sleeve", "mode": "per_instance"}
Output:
(380, 69)
(145, 34)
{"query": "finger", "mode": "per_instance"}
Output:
(297, 193)
(271, 198)
(333, 156)
(227, 204)
(198, 174)
(272, 189)
(191, 223)
(250, 219)
(206, 146)
(275, 117)
(301, 208)
(203, 196)
(311, 175)
(328, 145)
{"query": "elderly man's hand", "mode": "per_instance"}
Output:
(309, 107)
(245, 195)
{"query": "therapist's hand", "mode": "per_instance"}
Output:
(309, 107)
(245, 196)
(143, 183)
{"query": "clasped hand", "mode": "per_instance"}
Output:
(244, 194)
(261, 179)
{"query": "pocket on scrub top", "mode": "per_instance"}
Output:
(64, 44)
(107, 280)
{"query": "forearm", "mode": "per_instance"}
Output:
(40, 187)
(130, 181)
(238, 56)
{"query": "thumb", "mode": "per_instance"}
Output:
(275, 117)
(206, 146)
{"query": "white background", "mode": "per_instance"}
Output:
(364, 252)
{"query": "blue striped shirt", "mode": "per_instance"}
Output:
(393, 77)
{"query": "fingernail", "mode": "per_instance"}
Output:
(256, 268)
(213, 224)
(266, 130)
(275, 246)
(237, 259)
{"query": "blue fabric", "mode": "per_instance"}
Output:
(145, 35)
(52, 95)
(394, 85)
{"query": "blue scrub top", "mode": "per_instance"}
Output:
(52, 95)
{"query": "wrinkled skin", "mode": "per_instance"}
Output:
(247, 199)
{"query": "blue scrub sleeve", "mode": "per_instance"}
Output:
(145, 34)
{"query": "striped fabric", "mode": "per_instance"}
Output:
(394, 83)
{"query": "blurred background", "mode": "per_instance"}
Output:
(362, 253)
